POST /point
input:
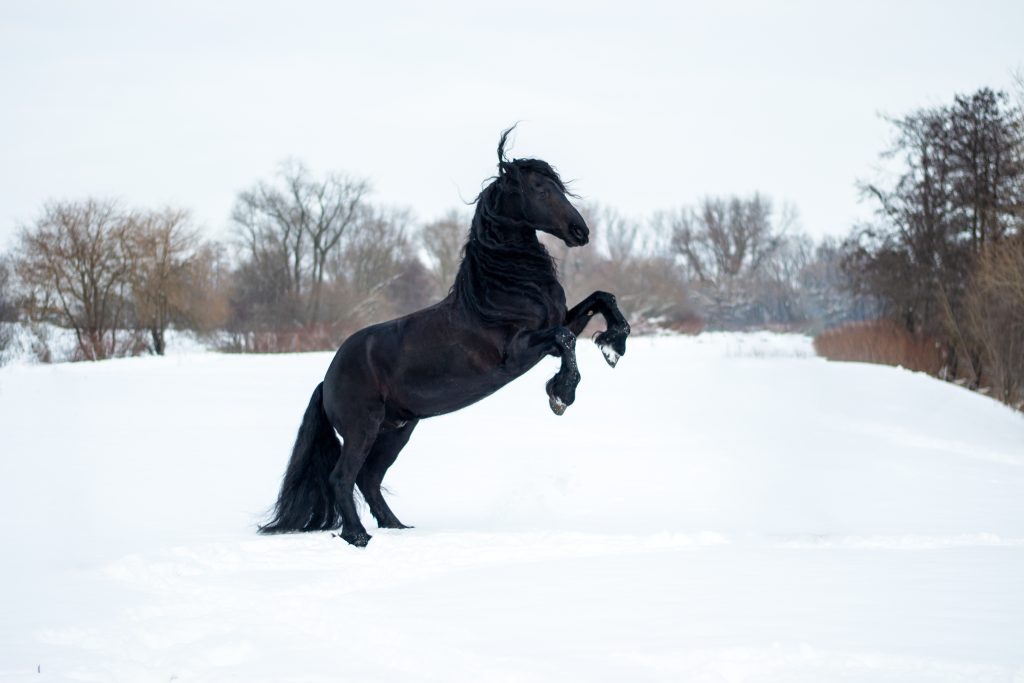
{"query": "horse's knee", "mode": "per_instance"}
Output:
(565, 339)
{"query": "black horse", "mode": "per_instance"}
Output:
(504, 313)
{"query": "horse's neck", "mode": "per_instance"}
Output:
(522, 260)
(511, 281)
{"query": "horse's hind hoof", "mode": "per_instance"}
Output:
(393, 525)
(359, 540)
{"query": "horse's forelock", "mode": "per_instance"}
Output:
(503, 162)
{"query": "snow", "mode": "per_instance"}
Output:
(724, 507)
(22, 338)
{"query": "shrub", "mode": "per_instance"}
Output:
(995, 318)
(881, 341)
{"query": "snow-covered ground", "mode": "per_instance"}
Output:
(718, 508)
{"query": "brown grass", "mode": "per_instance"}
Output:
(690, 324)
(883, 342)
(297, 340)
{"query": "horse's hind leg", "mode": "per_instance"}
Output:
(359, 434)
(385, 450)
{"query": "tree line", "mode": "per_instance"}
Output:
(944, 257)
(311, 258)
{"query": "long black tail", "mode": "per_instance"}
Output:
(306, 501)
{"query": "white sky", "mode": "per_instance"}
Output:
(646, 105)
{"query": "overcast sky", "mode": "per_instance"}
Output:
(645, 105)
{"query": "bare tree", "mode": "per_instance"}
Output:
(207, 290)
(76, 265)
(8, 306)
(581, 270)
(8, 309)
(411, 289)
(780, 294)
(641, 270)
(291, 228)
(725, 238)
(442, 240)
(825, 290)
(628, 258)
(374, 256)
(164, 252)
(995, 316)
(725, 245)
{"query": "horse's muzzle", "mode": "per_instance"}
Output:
(579, 233)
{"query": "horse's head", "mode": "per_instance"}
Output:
(530, 193)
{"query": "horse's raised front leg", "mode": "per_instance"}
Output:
(530, 347)
(612, 341)
(562, 387)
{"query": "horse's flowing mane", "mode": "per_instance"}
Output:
(503, 260)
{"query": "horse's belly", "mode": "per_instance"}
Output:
(442, 393)
(429, 367)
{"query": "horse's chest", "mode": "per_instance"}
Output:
(548, 317)
(555, 309)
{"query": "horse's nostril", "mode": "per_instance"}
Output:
(578, 232)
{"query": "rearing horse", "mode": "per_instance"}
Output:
(505, 312)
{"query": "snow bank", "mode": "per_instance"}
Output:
(717, 508)
(61, 342)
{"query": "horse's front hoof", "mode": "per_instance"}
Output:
(558, 406)
(610, 355)
(612, 344)
(358, 539)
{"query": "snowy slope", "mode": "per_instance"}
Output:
(718, 508)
